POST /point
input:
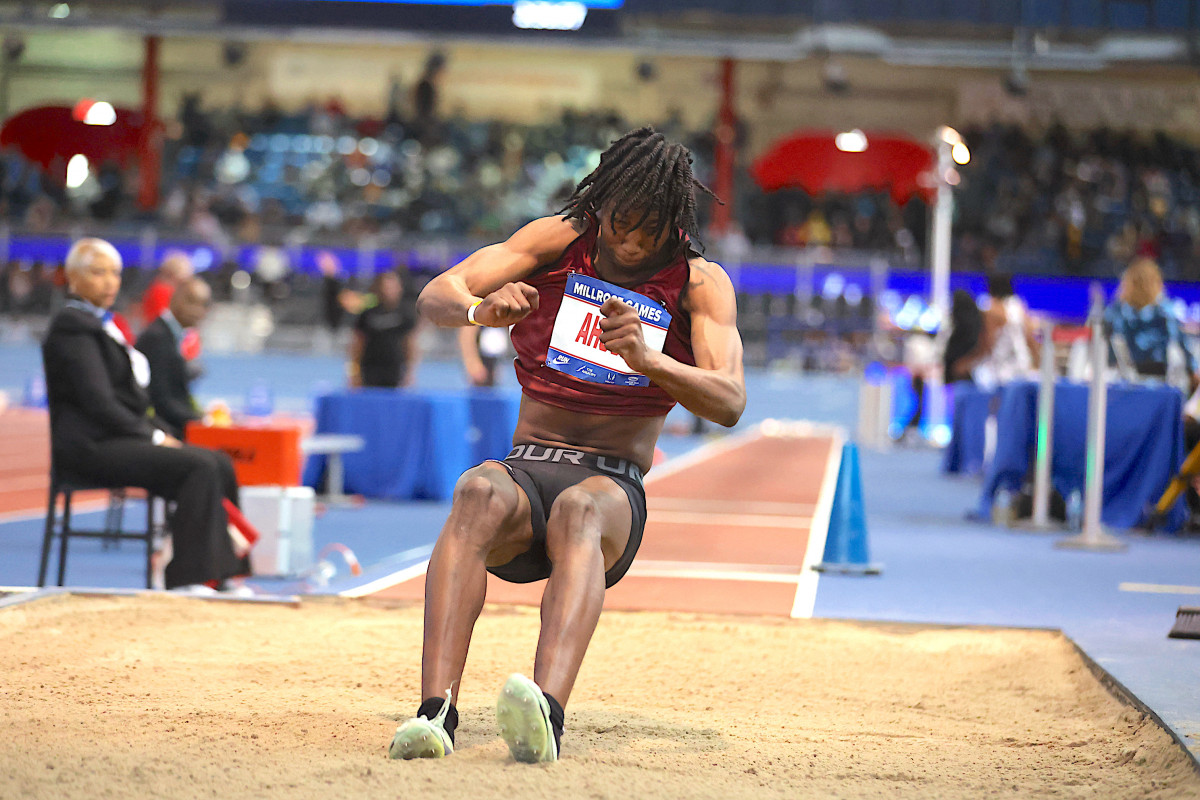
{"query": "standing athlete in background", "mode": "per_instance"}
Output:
(568, 503)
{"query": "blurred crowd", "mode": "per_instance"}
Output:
(1085, 202)
(1055, 202)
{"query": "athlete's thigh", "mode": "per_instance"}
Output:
(603, 496)
(495, 509)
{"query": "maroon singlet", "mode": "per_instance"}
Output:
(531, 337)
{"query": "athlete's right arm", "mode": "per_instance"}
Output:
(492, 277)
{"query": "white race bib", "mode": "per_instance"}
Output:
(575, 346)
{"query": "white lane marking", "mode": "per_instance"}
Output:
(387, 581)
(1158, 588)
(699, 570)
(806, 588)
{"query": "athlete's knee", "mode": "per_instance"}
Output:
(482, 492)
(575, 519)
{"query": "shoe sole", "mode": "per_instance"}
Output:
(417, 738)
(524, 718)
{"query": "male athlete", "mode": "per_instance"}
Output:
(601, 280)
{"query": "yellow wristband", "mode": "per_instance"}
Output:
(471, 313)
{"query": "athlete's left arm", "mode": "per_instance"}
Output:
(715, 388)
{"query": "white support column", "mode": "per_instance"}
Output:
(1093, 537)
(939, 269)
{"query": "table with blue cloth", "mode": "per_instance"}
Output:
(417, 442)
(968, 428)
(1143, 447)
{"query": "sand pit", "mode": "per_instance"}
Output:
(156, 697)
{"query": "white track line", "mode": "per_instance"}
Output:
(806, 588)
(699, 570)
(1158, 588)
(387, 581)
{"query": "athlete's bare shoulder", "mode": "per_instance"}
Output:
(707, 276)
(544, 239)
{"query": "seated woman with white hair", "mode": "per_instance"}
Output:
(101, 430)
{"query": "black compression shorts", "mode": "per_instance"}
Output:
(543, 473)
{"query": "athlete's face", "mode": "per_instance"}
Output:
(627, 247)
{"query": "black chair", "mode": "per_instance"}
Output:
(111, 535)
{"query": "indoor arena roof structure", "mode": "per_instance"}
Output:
(1082, 35)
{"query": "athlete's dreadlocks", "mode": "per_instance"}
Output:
(642, 172)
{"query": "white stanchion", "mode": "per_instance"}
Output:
(875, 414)
(1093, 536)
(1040, 520)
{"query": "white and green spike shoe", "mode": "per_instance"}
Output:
(421, 737)
(524, 717)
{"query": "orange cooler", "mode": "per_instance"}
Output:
(262, 454)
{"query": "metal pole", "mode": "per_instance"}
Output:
(943, 215)
(1040, 520)
(1093, 536)
(725, 153)
(150, 137)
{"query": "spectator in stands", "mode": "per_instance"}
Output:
(1140, 314)
(332, 311)
(426, 95)
(384, 351)
(162, 344)
(100, 431)
(176, 268)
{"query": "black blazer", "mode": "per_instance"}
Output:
(90, 388)
(169, 392)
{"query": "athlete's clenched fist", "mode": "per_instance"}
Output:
(622, 332)
(509, 304)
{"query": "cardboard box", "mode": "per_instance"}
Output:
(283, 516)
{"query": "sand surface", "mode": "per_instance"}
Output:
(163, 697)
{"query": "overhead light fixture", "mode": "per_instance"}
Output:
(854, 141)
(92, 112)
(960, 153)
(548, 15)
(949, 135)
(77, 171)
(60, 11)
(101, 113)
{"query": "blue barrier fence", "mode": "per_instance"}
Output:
(1064, 297)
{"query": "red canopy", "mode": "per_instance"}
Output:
(50, 135)
(810, 160)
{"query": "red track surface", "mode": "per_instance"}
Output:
(25, 463)
(728, 532)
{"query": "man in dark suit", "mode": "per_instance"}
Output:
(162, 343)
(100, 431)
